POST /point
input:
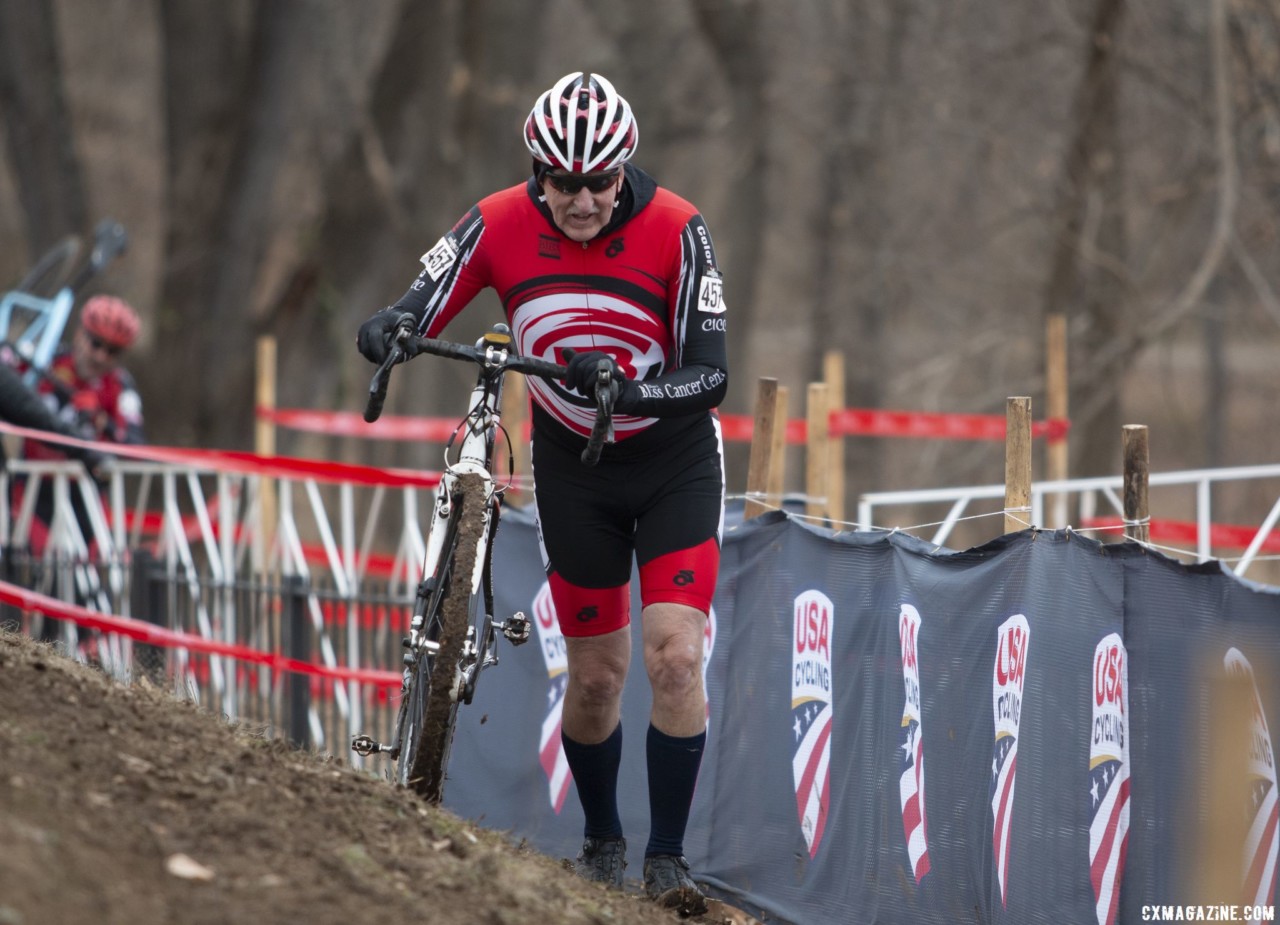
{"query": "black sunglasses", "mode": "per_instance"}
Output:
(97, 343)
(571, 183)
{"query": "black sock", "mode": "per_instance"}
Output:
(595, 772)
(673, 773)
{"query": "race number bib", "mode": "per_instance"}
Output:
(710, 294)
(440, 257)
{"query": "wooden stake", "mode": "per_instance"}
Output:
(1056, 399)
(1017, 464)
(264, 443)
(777, 482)
(833, 375)
(761, 447)
(1137, 515)
(817, 451)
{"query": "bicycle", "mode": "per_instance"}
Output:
(453, 626)
(34, 314)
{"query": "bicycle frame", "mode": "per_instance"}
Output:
(475, 457)
(453, 636)
(45, 319)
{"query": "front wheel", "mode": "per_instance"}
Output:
(424, 756)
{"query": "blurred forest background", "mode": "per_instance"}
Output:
(917, 184)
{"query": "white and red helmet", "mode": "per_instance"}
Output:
(111, 320)
(581, 125)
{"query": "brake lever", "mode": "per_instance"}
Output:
(401, 349)
(606, 391)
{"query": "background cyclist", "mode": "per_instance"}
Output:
(90, 393)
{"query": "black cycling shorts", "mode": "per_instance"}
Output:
(664, 508)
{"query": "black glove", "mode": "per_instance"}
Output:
(583, 369)
(374, 337)
(95, 464)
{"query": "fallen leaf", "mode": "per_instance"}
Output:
(180, 865)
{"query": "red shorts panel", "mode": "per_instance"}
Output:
(686, 576)
(589, 611)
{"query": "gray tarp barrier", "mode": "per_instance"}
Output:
(901, 734)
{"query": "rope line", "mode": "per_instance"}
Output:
(840, 526)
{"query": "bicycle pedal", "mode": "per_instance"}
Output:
(516, 628)
(364, 746)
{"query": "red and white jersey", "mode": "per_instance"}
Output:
(647, 290)
(105, 409)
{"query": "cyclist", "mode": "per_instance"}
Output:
(593, 260)
(88, 390)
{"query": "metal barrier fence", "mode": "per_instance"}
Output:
(276, 592)
(1184, 494)
(268, 575)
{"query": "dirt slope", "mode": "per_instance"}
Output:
(125, 805)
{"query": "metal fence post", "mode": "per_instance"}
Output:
(293, 601)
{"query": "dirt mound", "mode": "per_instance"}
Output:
(127, 805)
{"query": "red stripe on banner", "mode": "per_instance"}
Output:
(807, 783)
(1001, 845)
(1108, 843)
(350, 424)
(149, 633)
(243, 462)
(859, 422)
(850, 422)
(1221, 536)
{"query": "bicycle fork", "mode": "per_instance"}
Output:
(477, 654)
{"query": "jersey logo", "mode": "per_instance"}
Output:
(683, 577)
(615, 248)
(548, 246)
(588, 613)
(440, 257)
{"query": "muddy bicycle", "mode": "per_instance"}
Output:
(453, 634)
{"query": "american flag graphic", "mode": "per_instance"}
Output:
(1109, 776)
(811, 721)
(1263, 840)
(811, 713)
(1012, 642)
(1003, 769)
(911, 749)
(550, 748)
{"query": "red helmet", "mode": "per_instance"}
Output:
(581, 125)
(111, 319)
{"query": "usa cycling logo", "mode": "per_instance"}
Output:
(1262, 843)
(911, 746)
(550, 748)
(1013, 640)
(1109, 775)
(811, 713)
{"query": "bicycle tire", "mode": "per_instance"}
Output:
(413, 700)
(429, 760)
(409, 719)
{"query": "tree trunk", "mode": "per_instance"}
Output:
(37, 126)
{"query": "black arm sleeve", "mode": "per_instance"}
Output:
(19, 405)
(687, 390)
(697, 377)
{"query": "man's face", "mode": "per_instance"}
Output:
(94, 357)
(581, 204)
